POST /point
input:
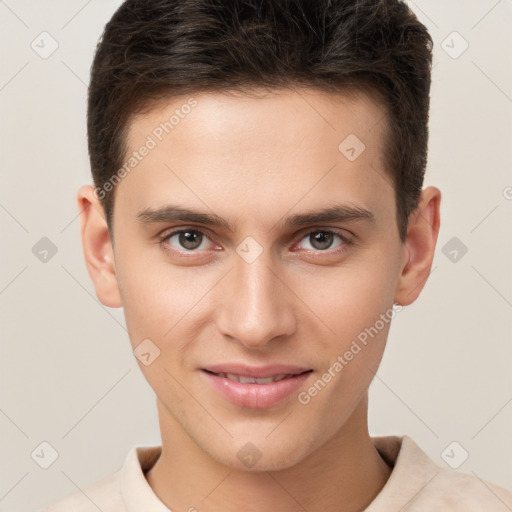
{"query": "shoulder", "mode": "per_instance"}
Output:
(447, 489)
(113, 493)
(417, 483)
(103, 495)
(456, 491)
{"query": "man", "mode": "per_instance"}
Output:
(258, 212)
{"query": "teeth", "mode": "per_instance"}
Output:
(243, 379)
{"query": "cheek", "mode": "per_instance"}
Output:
(351, 298)
(161, 302)
(155, 304)
(151, 298)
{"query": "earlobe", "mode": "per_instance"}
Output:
(97, 247)
(419, 246)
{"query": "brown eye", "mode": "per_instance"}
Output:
(188, 239)
(322, 240)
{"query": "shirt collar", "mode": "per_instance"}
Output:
(137, 494)
(412, 471)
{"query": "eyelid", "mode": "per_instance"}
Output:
(342, 233)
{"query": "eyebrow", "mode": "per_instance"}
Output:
(337, 213)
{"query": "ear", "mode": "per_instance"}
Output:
(97, 247)
(419, 246)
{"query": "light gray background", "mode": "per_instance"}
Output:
(68, 376)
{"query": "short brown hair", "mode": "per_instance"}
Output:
(156, 49)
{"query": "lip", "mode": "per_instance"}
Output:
(253, 395)
(257, 371)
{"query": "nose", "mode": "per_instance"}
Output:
(256, 306)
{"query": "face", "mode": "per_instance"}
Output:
(291, 257)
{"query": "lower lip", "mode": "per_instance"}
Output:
(256, 396)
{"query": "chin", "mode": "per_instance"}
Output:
(262, 455)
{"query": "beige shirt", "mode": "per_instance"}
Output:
(416, 484)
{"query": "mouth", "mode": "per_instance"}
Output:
(247, 379)
(256, 391)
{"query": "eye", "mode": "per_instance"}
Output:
(193, 241)
(188, 239)
(321, 240)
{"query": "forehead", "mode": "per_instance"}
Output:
(234, 115)
(256, 150)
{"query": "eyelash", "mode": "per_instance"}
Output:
(339, 250)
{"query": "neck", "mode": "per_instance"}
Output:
(346, 470)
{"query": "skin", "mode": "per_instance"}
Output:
(254, 161)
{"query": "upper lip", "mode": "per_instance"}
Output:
(256, 371)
